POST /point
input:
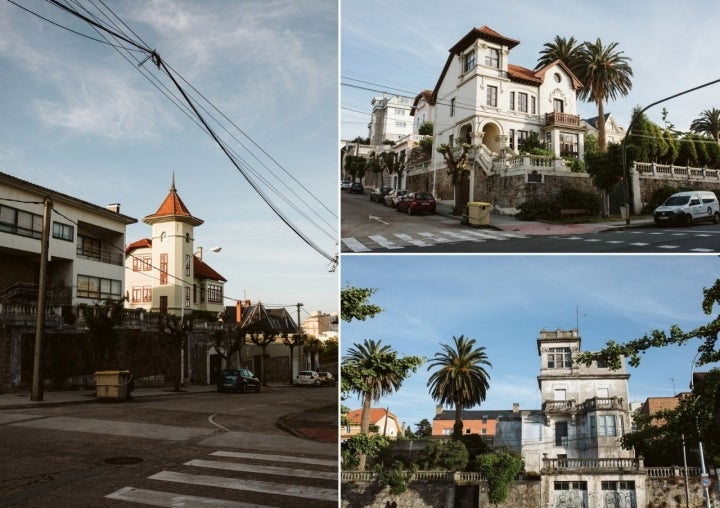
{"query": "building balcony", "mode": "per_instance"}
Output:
(558, 406)
(111, 257)
(557, 119)
(575, 466)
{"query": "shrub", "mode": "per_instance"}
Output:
(445, 455)
(499, 470)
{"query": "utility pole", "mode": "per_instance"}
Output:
(37, 384)
(301, 353)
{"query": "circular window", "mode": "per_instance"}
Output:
(557, 77)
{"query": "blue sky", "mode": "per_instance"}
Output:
(404, 45)
(78, 118)
(504, 301)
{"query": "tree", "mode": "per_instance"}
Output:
(261, 334)
(101, 319)
(605, 74)
(292, 341)
(606, 171)
(569, 51)
(707, 123)
(460, 378)
(456, 167)
(499, 470)
(393, 162)
(371, 371)
(423, 429)
(354, 304)
(175, 330)
(355, 166)
(444, 455)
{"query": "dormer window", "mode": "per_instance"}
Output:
(492, 58)
(469, 61)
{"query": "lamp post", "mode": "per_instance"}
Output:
(703, 471)
(627, 134)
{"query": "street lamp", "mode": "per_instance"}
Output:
(627, 134)
(703, 472)
(199, 251)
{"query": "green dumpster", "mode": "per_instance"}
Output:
(478, 213)
(112, 384)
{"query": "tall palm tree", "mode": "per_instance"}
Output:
(371, 371)
(605, 74)
(460, 378)
(708, 123)
(567, 50)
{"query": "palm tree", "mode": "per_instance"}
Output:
(707, 123)
(460, 378)
(567, 50)
(605, 74)
(371, 371)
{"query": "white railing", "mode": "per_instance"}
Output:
(683, 172)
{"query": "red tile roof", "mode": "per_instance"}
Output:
(173, 207)
(139, 244)
(376, 414)
(203, 271)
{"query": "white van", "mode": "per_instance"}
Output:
(686, 207)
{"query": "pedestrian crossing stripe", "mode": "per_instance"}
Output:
(355, 245)
(255, 468)
(278, 458)
(248, 485)
(173, 500)
(427, 239)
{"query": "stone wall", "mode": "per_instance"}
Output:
(649, 185)
(655, 493)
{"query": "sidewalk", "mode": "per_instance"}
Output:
(318, 425)
(537, 228)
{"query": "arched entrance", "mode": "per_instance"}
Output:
(491, 134)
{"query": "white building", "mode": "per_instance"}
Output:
(85, 256)
(390, 119)
(166, 272)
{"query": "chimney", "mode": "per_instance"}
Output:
(114, 207)
(238, 312)
(247, 303)
(516, 407)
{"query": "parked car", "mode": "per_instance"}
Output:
(378, 194)
(307, 377)
(392, 197)
(356, 188)
(417, 202)
(686, 207)
(237, 380)
(345, 185)
(327, 379)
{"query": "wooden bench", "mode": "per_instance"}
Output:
(573, 212)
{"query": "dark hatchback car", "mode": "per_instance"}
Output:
(356, 188)
(378, 194)
(417, 202)
(237, 380)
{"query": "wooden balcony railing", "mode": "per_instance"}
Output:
(562, 120)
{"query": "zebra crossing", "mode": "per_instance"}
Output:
(398, 241)
(260, 480)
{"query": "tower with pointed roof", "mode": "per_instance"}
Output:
(162, 271)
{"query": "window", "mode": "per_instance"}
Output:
(147, 263)
(163, 236)
(533, 108)
(523, 102)
(559, 358)
(558, 106)
(492, 96)
(469, 62)
(483, 431)
(147, 294)
(399, 112)
(451, 139)
(452, 106)
(511, 139)
(400, 125)
(561, 433)
(570, 486)
(467, 431)
(618, 485)
(89, 247)
(606, 425)
(492, 58)
(447, 432)
(186, 291)
(512, 101)
(19, 222)
(136, 294)
(98, 288)
(568, 144)
(214, 294)
(560, 394)
(187, 265)
(63, 231)
(163, 268)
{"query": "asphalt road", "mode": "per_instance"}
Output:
(195, 449)
(371, 227)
